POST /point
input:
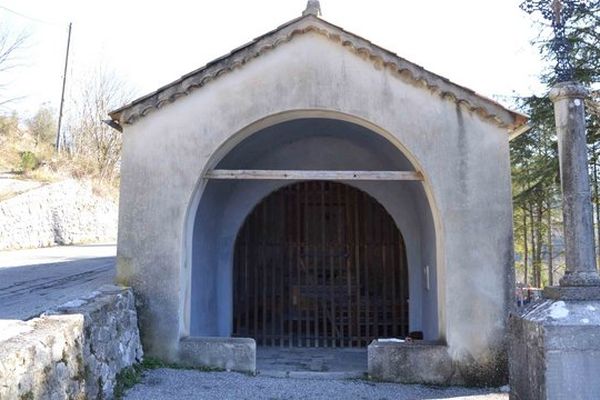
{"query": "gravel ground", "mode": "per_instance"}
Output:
(166, 384)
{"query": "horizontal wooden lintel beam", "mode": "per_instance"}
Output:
(257, 174)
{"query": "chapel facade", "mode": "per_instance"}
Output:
(311, 189)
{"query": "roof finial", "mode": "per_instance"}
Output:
(313, 7)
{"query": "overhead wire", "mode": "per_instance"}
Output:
(33, 19)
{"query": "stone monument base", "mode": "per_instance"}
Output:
(555, 350)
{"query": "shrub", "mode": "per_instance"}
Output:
(29, 161)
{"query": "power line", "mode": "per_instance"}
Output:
(62, 96)
(30, 18)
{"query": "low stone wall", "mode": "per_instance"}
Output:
(72, 352)
(57, 214)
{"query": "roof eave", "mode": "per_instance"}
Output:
(487, 108)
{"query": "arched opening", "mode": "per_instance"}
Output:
(309, 143)
(319, 264)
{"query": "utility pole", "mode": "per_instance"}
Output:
(62, 97)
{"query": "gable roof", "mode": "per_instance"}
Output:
(514, 122)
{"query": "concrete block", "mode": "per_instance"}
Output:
(414, 362)
(230, 354)
(555, 351)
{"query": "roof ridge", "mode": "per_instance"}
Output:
(309, 23)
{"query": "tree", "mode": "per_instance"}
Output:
(534, 158)
(10, 44)
(534, 155)
(42, 126)
(90, 137)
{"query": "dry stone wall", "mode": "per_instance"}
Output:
(57, 214)
(72, 352)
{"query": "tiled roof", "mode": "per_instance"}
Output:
(485, 107)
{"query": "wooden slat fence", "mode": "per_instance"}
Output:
(320, 264)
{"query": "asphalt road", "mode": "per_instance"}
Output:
(32, 281)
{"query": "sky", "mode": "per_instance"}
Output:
(484, 45)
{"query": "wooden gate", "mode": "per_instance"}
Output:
(319, 264)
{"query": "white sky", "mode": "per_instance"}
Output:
(481, 44)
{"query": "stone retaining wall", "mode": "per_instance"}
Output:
(72, 352)
(57, 214)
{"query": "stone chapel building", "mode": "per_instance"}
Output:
(312, 189)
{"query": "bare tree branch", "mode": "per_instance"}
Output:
(10, 44)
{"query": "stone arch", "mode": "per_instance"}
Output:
(423, 254)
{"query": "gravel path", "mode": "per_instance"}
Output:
(167, 384)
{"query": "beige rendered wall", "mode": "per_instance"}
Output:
(464, 158)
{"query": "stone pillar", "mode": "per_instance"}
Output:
(554, 344)
(568, 98)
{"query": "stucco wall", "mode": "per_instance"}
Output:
(464, 158)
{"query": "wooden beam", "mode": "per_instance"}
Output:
(257, 174)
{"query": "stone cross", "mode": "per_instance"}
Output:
(313, 7)
(581, 280)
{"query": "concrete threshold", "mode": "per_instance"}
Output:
(314, 375)
(312, 363)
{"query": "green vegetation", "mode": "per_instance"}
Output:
(128, 378)
(29, 161)
(27, 396)
(155, 363)
(131, 376)
(534, 157)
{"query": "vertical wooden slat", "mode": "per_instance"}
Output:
(236, 289)
(263, 265)
(368, 256)
(384, 297)
(404, 283)
(349, 237)
(357, 249)
(375, 281)
(274, 251)
(274, 261)
(317, 193)
(323, 250)
(395, 299)
(290, 253)
(335, 265)
(256, 272)
(246, 278)
(299, 250)
(305, 308)
(401, 287)
(282, 248)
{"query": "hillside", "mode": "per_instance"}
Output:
(49, 198)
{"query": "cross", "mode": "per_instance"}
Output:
(313, 7)
(558, 12)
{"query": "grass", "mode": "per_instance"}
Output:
(131, 376)
(128, 378)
